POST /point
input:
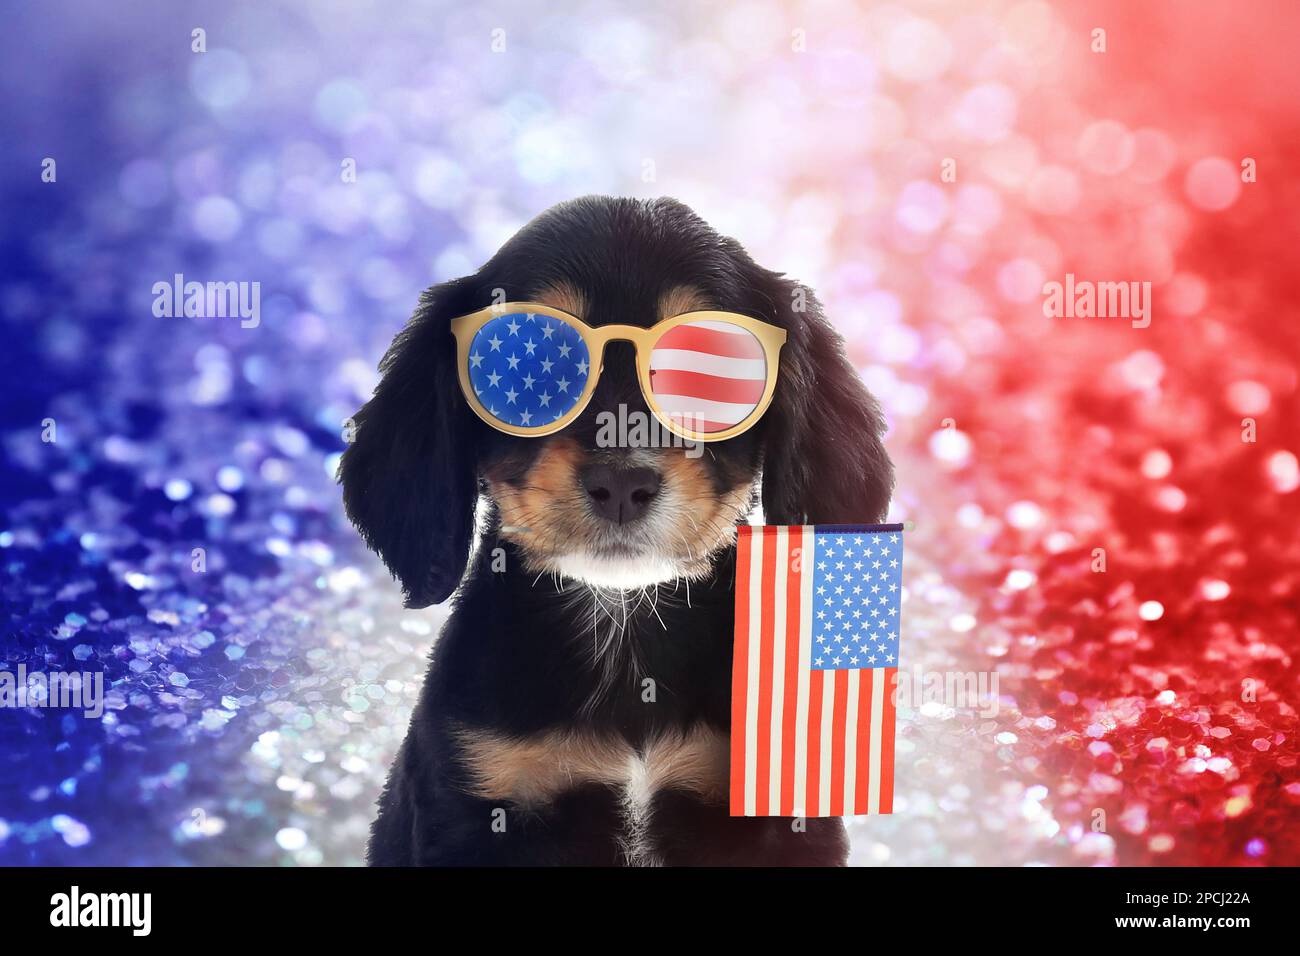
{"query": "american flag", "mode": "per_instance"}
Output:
(818, 613)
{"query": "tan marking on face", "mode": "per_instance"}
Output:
(565, 297)
(548, 508)
(535, 770)
(713, 516)
(682, 299)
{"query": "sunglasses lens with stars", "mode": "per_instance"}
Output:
(528, 369)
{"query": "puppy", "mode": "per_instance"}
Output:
(577, 704)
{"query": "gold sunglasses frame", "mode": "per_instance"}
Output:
(466, 327)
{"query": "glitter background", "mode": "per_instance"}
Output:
(254, 708)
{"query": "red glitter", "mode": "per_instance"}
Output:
(1172, 448)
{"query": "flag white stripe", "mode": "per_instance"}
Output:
(755, 652)
(851, 741)
(703, 408)
(805, 662)
(877, 711)
(778, 668)
(724, 366)
(717, 326)
(827, 742)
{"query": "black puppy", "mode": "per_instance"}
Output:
(576, 709)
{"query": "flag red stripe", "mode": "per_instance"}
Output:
(767, 639)
(739, 675)
(699, 425)
(791, 685)
(695, 339)
(887, 719)
(839, 722)
(814, 741)
(713, 388)
(862, 785)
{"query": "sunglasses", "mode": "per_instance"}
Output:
(527, 369)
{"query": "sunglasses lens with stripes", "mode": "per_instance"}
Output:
(708, 375)
(528, 369)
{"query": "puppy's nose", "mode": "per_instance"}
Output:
(620, 494)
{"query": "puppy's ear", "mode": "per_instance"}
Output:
(824, 462)
(410, 481)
